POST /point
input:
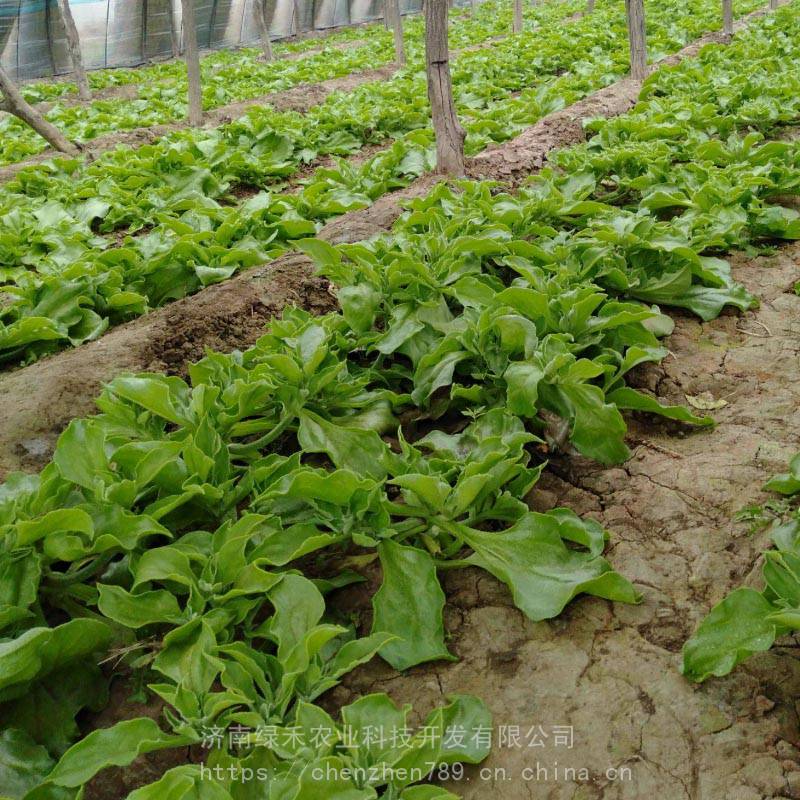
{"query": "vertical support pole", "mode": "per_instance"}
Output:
(192, 56)
(450, 135)
(727, 17)
(395, 22)
(260, 9)
(634, 10)
(517, 23)
(143, 42)
(173, 30)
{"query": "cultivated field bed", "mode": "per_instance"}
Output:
(495, 448)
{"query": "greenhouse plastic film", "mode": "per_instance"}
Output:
(125, 33)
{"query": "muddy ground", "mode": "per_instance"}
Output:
(609, 670)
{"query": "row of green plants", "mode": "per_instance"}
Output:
(99, 79)
(67, 282)
(196, 531)
(235, 76)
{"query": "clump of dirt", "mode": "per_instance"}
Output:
(240, 318)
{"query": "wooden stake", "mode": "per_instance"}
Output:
(192, 57)
(727, 17)
(634, 10)
(259, 6)
(74, 50)
(449, 133)
(14, 103)
(773, 4)
(395, 22)
(173, 31)
(516, 26)
(589, 6)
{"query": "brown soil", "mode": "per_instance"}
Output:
(609, 670)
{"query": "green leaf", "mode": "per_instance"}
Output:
(542, 573)
(363, 452)
(409, 606)
(314, 785)
(522, 387)
(80, 454)
(137, 610)
(164, 396)
(23, 764)
(47, 711)
(187, 656)
(632, 400)
(356, 652)
(40, 651)
(465, 713)
(360, 305)
(117, 746)
(734, 629)
(598, 429)
(182, 783)
(298, 608)
(788, 483)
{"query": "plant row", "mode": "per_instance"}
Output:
(67, 283)
(197, 531)
(236, 76)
